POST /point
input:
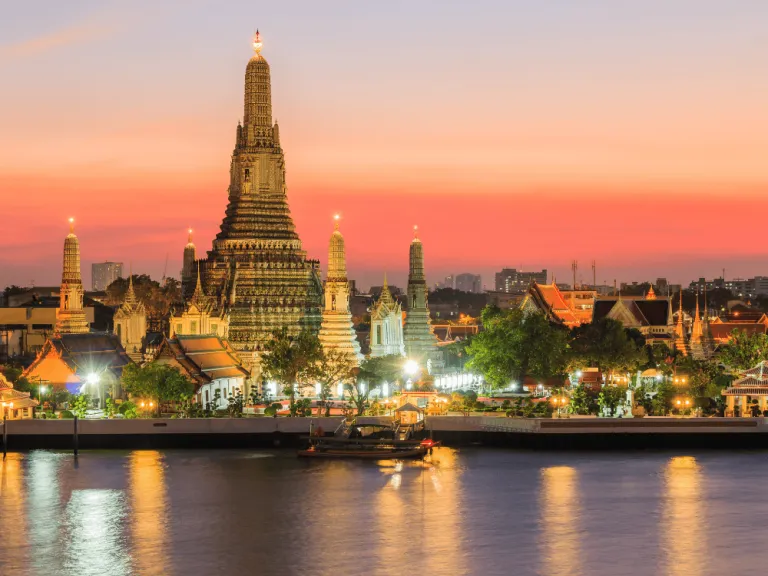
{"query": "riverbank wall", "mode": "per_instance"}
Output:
(601, 433)
(533, 434)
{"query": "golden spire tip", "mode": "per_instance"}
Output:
(257, 43)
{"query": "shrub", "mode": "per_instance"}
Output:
(66, 415)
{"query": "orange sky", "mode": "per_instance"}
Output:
(632, 134)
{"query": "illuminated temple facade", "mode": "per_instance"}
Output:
(256, 264)
(70, 318)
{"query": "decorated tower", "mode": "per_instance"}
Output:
(681, 343)
(337, 331)
(71, 316)
(257, 263)
(420, 340)
(130, 323)
(188, 267)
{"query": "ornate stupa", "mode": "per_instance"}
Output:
(188, 267)
(337, 330)
(387, 325)
(257, 264)
(130, 323)
(71, 315)
(420, 340)
(681, 343)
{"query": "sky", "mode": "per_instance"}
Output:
(513, 133)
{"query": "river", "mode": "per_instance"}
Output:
(469, 511)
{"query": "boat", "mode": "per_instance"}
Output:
(366, 452)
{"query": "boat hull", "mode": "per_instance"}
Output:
(364, 454)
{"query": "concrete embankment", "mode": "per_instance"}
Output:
(164, 433)
(537, 434)
(602, 433)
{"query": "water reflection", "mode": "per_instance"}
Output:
(683, 518)
(13, 519)
(560, 534)
(44, 507)
(149, 524)
(95, 544)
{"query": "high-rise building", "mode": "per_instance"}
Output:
(516, 281)
(71, 316)
(469, 283)
(337, 331)
(420, 340)
(104, 273)
(256, 262)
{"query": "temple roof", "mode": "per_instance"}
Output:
(647, 312)
(550, 300)
(203, 358)
(722, 331)
(85, 353)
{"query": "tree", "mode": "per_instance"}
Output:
(515, 344)
(744, 350)
(583, 400)
(605, 344)
(333, 368)
(156, 382)
(610, 397)
(291, 361)
(80, 404)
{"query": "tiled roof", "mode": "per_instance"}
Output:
(722, 331)
(203, 358)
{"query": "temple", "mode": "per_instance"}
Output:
(130, 323)
(420, 340)
(651, 315)
(257, 265)
(71, 315)
(201, 315)
(386, 325)
(337, 331)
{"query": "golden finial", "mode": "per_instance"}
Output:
(336, 218)
(257, 43)
(71, 225)
(189, 238)
(415, 231)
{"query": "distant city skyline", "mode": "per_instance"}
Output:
(568, 117)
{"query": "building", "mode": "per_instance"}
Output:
(91, 362)
(569, 308)
(516, 281)
(200, 316)
(104, 273)
(24, 330)
(652, 316)
(337, 331)
(420, 340)
(209, 362)
(71, 316)
(469, 283)
(748, 396)
(130, 323)
(256, 262)
(386, 336)
(14, 404)
(505, 300)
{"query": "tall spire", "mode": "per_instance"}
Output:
(257, 111)
(337, 265)
(130, 295)
(336, 330)
(71, 316)
(696, 328)
(420, 340)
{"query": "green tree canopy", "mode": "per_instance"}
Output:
(291, 360)
(605, 344)
(515, 344)
(155, 381)
(744, 350)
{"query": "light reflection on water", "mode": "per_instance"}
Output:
(461, 512)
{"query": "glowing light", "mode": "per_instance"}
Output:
(92, 379)
(257, 43)
(411, 367)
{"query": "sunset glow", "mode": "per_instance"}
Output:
(633, 136)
